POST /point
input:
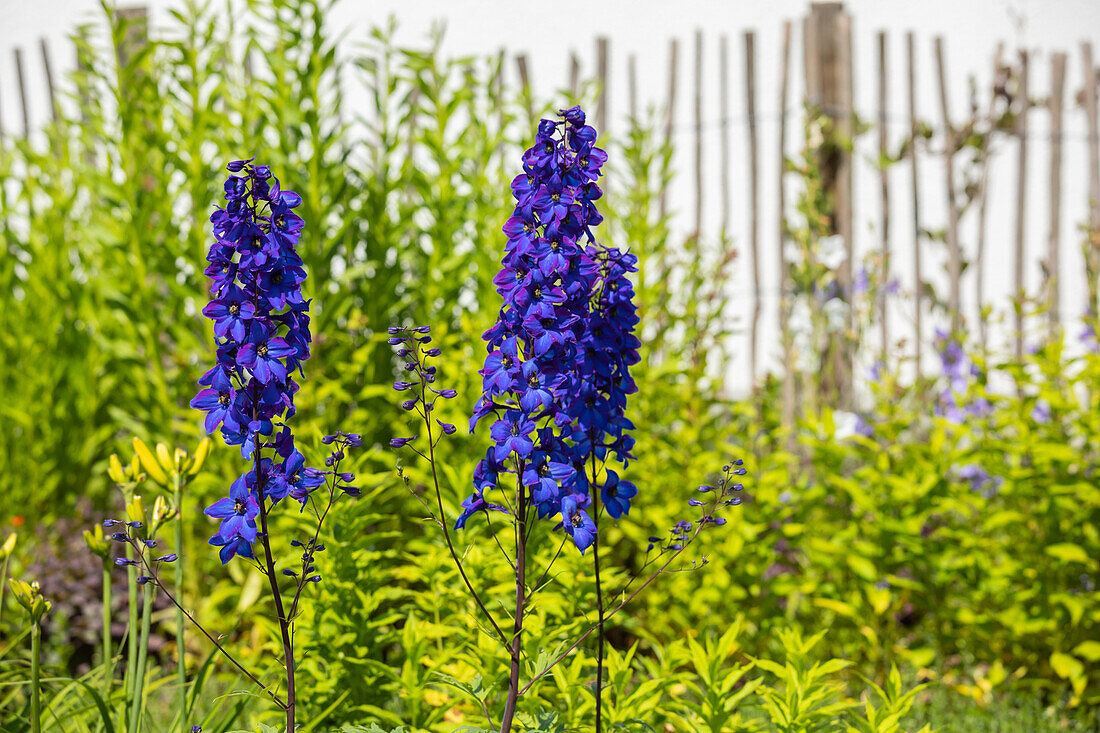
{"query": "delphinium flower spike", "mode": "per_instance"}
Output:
(596, 402)
(555, 378)
(262, 339)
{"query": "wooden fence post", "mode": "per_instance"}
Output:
(914, 136)
(884, 182)
(952, 232)
(670, 116)
(828, 66)
(632, 88)
(698, 134)
(48, 68)
(724, 127)
(1089, 99)
(21, 78)
(574, 74)
(782, 276)
(603, 73)
(1021, 201)
(525, 83)
(1057, 94)
(136, 35)
(1000, 77)
(754, 204)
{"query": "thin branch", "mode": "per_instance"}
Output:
(446, 533)
(706, 519)
(156, 580)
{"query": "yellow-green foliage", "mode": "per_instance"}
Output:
(851, 558)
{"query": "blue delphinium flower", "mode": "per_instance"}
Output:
(601, 380)
(981, 482)
(562, 337)
(959, 372)
(261, 330)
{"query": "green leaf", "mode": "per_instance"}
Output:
(1066, 667)
(1089, 650)
(1068, 552)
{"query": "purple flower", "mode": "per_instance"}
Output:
(577, 523)
(294, 479)
(261, 321)
(231, 546)
(217, 400)
(473, 504)
(513, 435)
(980, 480)
(263, 354)
(556, 373)
(238, 512)
(231, 313)
(617, 494)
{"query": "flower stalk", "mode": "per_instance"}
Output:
(36, 653)
(181, 647)
(521, 599)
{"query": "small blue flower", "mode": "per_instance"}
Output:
(578, 525)
(617, 494)
(238, 513)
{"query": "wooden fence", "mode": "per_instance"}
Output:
(1001, 120)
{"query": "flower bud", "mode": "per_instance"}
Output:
(149, 462)
(164, 458)
(8, 547)
(30, 598)
(97, 542)
(115, 470)
(135, 511)
(200, 456)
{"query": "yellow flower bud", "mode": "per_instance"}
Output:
(178, 459)
(162, 512)
(200, 455)
(149, 462)
(97, 543)
(164, 457)
(30, 598)
(135, 510)
(8, 547)
(115, 470)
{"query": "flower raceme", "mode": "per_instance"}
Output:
(556, 374)
(262, 337)
(261, 329)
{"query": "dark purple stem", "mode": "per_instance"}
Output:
(284, 624)
(599, 589)
(521, 597)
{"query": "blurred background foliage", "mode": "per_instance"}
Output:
(859, 551)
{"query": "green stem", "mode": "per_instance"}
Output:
(181, 668)
(131, 633)
(108, 671)
(137, 704)
(36, 703)
(139, 669)
(3, 586)
(277, 596)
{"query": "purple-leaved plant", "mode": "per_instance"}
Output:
(262, 338)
